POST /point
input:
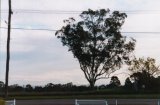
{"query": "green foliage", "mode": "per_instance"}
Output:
(97, 42)
(115, 82)
(144, 74)
(145, 81)
(148, 65)
(128, 84)
(1, 84)
(2, 102)
(15, 87)
(28, 88)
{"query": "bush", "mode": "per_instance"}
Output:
(2, 102)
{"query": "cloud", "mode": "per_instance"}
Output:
(142, 23)
(54, 76)
(148, 46)
(39, 57)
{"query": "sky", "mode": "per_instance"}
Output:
(38, 57)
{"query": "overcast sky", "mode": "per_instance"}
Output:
(38, 57)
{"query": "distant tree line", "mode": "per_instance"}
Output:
(136, 82)
(50, 87)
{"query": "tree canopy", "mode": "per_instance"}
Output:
(145, 72)
(115, 82)
(148, 65)
(128, 83)
(97, 43)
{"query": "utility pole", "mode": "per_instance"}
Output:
(0, 21)
(0, 25)
(0, 13)
(0, 29)
(8, 48)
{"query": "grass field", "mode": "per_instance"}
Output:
(143, 96)
(101, 94)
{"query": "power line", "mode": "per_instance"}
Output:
(78, 12)
(53, 30)
(44, 11)
(37, 29)
(142, 32)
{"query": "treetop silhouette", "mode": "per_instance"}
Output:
(97, 43)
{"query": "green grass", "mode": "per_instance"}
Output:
(139, 96)
(105, 94)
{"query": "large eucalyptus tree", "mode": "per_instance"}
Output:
(97, 43)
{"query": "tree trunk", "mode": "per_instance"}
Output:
(92, 83)
(8, 49)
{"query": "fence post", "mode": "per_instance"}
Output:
(14, 102)
(116, 102)
(106, 102)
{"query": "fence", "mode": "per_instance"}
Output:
(91, 102)
(119, 102)
(10, 102)
(133, 102)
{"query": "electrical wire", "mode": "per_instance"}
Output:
(53, 30)
(43, 11)
(78, 12)
(38, 29)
